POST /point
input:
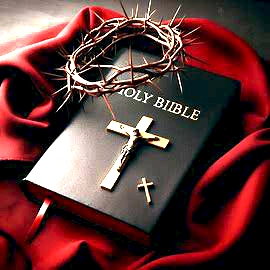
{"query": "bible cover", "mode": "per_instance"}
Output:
(194, 122)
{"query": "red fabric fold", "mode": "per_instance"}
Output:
(223, 202)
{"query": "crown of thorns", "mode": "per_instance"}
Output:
(99, 43)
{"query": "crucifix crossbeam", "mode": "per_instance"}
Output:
(137, 136)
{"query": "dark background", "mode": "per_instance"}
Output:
(250, 19)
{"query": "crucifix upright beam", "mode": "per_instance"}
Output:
(137, 136)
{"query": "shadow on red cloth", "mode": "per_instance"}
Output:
(12, 256)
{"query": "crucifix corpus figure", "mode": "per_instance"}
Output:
(135, 139)
(137, 136)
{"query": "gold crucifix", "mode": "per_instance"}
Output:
(145, 185)
(137, 136)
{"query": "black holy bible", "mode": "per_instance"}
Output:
(93, 170)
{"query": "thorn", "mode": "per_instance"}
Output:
(88, 63)
(174, 16)
(160, 22)
(82, 38)
(149, 9)
(136, 12)
(88, 35)
(145, 60)
(192, 31)
(60, 69)
(153, 12)
(182, 19)
(179, 82)
(81, 97)
(98, 16)
(63, 52)
(59, 90)
(191, 41)
(197, 43)
(163, 51)
(52, 74)
(102, 51)
(80, 94)
(63, 49)
(84, 60)
(182, 58)
(101, 73)
(59, 79)
(79, 41)
(196, 59)
(107, 57)
(108, 104)
(155, 85)
(68, 83)
(130, 62)
(64, 102)
(62, 55)
(123, 9)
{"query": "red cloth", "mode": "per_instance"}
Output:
(230, 191)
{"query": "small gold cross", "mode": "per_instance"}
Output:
(145, 185)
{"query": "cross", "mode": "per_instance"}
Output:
(137, 136)
(145, 185)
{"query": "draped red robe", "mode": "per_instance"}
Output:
(239, 177)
